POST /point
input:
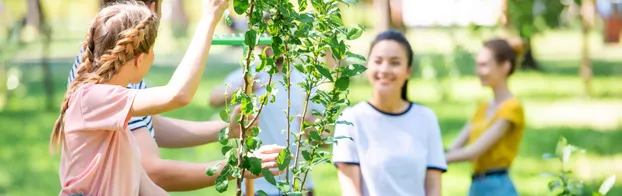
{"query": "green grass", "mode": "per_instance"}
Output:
(28, 169)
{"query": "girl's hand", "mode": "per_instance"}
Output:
(216, 7)
(268, 155)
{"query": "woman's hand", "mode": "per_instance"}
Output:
(233, 122)
(268, 155)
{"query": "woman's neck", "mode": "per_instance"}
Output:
(501, 92)
(389, 103)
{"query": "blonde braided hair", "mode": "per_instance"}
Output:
(118, 34)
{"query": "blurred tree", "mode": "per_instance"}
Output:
(526, 19)
(587, 16)
(179, 19)
(388, 15)
(36, 18)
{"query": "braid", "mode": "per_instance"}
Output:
(124, 49)
(81, 75)
(117, 34)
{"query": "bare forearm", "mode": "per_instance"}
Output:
(181, 176)
(148, 187)
(459, 155)
(462, 138)
(175, 133)
(433, 183)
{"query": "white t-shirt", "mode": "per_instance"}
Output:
(272, 120)
(394, 151)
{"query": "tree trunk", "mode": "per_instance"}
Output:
(383, 17)
(179, 19)
(529, 61)
(36, 18)
(587, 17)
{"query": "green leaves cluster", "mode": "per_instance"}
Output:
(563, 184)
(302, 35)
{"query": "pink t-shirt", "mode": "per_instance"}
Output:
(99, 155)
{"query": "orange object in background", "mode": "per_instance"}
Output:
(612, 28)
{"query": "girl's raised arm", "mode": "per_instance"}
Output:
(185, 80)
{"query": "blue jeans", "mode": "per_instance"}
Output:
(493, 185)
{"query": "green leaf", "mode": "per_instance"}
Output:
(264, 60)
(607, 184)
(555, 184)
(343, 122)
(224, 116)
(232, 158)
(325, 72)
(240, 6)
(283, 186)
(262, 193)
(255, 131)
(228, 20)
(305, 18)
(315, 135)
(342, 83)
(210, 171)
(250, 38)
(255, 165)
(223, 136)
(225, 149)
(306, 155)
(222, 183)
(247, 104)
(353, 70)
(302, 5)
(354, 33)
(295, 194)
(253, 143)
(300, 68)
(268, 176)
(355, 56)
(283, 159)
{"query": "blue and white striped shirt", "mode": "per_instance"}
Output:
(135, 122)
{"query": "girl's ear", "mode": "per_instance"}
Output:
(138, 59)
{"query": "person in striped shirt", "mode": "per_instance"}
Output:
(153, 132)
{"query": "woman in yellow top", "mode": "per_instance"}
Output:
(491, 139)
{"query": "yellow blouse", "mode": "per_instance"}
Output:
(502, 153)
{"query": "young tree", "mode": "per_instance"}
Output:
(302, 38)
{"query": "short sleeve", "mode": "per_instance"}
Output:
(436, 154)
(106, 107)
(513, 112)
(345, 150)
(138, 122)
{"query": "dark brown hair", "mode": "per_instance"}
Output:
(118, 33)
(503, 51)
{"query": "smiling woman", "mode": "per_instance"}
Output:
(373, 163)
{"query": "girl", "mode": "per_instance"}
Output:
(99, 154)
(396, 146)
(496, 128)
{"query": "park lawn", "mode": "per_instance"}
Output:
(28, 169)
